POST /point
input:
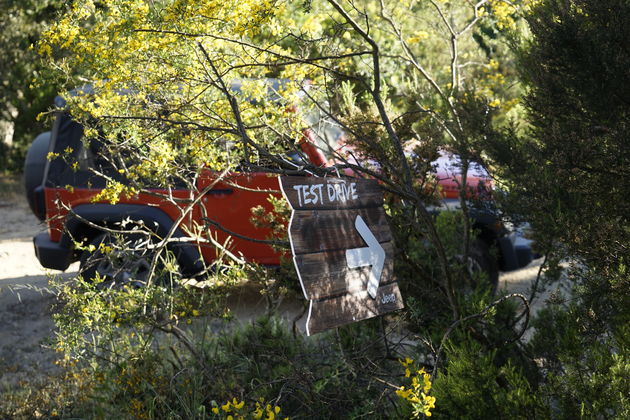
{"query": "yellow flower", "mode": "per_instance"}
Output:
(429, 403)
(44, 49)
(402, 393)
(215, 410)
(417, 394)
(427, 383)
(419, 36)
(406, 362)
(226, 407)
(271, 412)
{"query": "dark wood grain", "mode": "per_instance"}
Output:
(326, 274)
(329, 230)
(321, 231)
(320, 191)
(342, 310)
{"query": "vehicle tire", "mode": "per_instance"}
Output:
(34, 167)
(481, 262)
(117, 261)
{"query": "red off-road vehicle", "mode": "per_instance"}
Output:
(62, 196)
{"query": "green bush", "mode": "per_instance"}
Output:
(585, 374)
(167, 353)
(477, 385)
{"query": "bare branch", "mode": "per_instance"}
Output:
(376, 92)
(415, 63)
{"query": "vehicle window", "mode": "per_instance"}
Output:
(327, 133)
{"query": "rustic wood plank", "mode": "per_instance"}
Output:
(327, 273)
(308, 193)
(335, 312)
(325, 227)
(327, 230)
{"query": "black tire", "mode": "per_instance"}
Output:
(126, 262)
(481, 264)
(34, 167)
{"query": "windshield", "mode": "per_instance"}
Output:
(327, 133)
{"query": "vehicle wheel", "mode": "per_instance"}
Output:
(119, 261)
(34, 166)
(481, 265)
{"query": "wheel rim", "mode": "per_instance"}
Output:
(128, 263)
(126, 271)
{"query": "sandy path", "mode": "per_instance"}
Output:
(25, 301)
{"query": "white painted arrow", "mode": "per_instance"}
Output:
(373, 255)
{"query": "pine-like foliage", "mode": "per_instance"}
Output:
(569, 175)
(577, 70)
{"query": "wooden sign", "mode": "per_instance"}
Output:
(342, 249)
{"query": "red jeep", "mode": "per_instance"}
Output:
(63, 197)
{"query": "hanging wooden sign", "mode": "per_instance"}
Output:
(342, 249)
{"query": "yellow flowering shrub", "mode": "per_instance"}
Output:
(505, 12)
(417, 392)
(236, 410)
(159, 67)
(157, 73)
(113, 191)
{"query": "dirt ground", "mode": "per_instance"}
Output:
(26, 301)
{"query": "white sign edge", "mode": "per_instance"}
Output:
(284, 194)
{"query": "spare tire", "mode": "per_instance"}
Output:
(34, 166)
